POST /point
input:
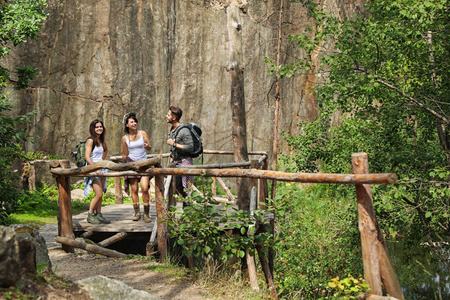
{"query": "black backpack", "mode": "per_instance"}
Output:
(79, 153)
(196, 133)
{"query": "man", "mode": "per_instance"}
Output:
(182, 145)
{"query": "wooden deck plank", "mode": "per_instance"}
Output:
(120, 216)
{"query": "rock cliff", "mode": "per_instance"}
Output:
(103, 58)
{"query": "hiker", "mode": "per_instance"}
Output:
(134, 145)
(96, 150)
(181, 145)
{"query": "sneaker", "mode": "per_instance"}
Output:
(102, 219)
(92, 219)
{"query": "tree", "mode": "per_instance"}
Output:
(19, 21)
(237, 99)
(386, 72)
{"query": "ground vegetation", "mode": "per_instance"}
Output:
(20, 20)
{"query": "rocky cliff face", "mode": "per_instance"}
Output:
(103, 58)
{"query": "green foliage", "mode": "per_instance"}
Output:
(318, 239)
(19, 20)
(201, 229)
(387, 79)
(30, 156)
(349, 287)
(10, 136)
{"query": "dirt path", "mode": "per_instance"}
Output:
(139, 273)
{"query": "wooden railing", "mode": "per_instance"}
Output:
(377, 265)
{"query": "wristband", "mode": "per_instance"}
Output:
(175, 145)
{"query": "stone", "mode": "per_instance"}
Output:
(38, 246)
(9, 263)
(77, 194)
(22, 251)
(103, 288)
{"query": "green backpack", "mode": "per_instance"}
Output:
(79, 153)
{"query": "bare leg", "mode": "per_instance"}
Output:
(98, 190)
(145, 180)
(134, 189)
(98, 207)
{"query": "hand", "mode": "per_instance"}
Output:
(170, 142)
(99, 173)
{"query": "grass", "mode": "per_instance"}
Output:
(40, 207)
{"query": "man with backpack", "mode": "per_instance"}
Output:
(182, 149)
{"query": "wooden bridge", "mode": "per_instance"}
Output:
(378, 268)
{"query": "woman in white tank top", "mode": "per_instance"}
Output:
(135, 143)
(96, 150)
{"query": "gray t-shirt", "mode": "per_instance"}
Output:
(183, 137)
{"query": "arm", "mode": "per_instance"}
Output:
(124, 147)
(185, 142)
(147, 144)
(87, 153)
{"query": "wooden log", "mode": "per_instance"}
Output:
(119, 158)
(214, 187)
(65, 228)
(385, 178)
(250, 259)
(161, 215)
(226, 189)
(251, 270)
(267, 272)
(255, 185)
(376, 260)
(166, 186)
(262, 160)
(80, 243)
(205, 151)
(118, 190)
(105, 164)
(218, 166)
(263, 189)
(53, 163)
(224, 200)
(87, 234)
(149, 248)
(111, 240)
(237, 99)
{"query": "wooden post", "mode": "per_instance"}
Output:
(263, 190)
(118, 190)
(377, 264)
(267, 272)
(160, 215)
(250, 259)
(214, 187)
(237, 99)
(65, 228)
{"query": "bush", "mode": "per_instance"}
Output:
(318, 239)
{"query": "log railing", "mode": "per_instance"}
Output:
(378, 268)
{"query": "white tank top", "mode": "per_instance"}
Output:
(136, 150)
(97, 153)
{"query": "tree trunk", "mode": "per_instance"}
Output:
(237, 101)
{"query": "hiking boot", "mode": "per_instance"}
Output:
(137, 212)
(146, 217)
(102, 219)
(92, 219)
